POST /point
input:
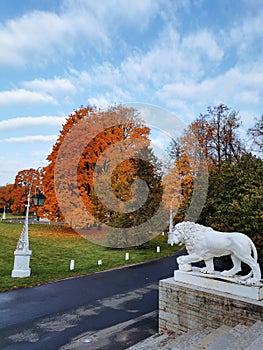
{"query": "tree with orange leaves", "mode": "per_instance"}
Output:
(189, 164)
(100, 139)
(51, 209)
(23, 181)
(207, 142)
(5, 197)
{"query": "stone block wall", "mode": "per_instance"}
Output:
(183, 307)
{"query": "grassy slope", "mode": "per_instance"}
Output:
(54, 246)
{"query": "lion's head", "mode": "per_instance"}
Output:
(180, 233)
(185, 232)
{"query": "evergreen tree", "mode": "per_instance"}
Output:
(234, 200)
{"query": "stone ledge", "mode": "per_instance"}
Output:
(183, 307)
(216, 282)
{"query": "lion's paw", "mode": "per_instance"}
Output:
(227, 273)
(185, 267)
(253, 281)
(206, 270)
(181, 259)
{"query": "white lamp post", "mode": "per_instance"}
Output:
(171, 212)
(4, 216)
(22, 253)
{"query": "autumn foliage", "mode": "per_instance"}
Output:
(16, 194)
(207, 142)
(6, 198)
(95, 167)
(86, 156)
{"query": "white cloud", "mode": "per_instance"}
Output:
(160, 141)
(184, 72)
(115, 96)
(240, 88)
(41, 153)
(38, 37)
(112, 14)
(31, 139)
(205, 43)
(100, 101)
(172, 58)
(37, 91)
(248, 118)
(25, 122)
(9, 171)
(241, 85)
(43, 34)
(246, 36)
(53, 86)
(103, 76)
(14, 165)
(172, 61)
(22, 96)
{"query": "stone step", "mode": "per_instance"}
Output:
(238, 330)
(156, 341)
(240, 337)
(171, 341)
(257, 344)
(148, 343)
(227, 340)
(206, 341)
(186, 340)
(248, 337)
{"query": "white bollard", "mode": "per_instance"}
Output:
(158, 249)
(163, 233)
(72, 264)
(127, 257)
(99, 262)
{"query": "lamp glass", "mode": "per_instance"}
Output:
(38, 199)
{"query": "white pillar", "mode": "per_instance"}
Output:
(22, 253)
(4, 216)
(72, 264)
(21, 264)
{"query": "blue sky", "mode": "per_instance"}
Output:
(181, 56)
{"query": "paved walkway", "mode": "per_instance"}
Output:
(114, 309)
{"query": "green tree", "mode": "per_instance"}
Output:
(145, 167)
(234, 200)
(207, 143)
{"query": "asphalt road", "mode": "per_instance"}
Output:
(107, 310)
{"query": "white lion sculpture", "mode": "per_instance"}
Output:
(204, 243)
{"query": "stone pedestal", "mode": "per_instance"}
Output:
(21, 263)
(216, 282)
(191, 301)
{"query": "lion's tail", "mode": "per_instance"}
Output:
(255, 255)
(254, 250)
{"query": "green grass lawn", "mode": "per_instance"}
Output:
(54, 246)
